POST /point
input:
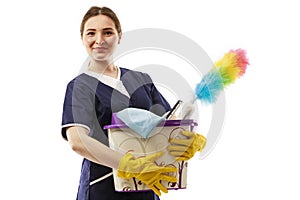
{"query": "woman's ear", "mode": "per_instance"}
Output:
(81, 37)
(120, 36)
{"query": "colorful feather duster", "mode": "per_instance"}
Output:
(225, 71)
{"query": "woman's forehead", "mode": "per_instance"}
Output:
(99, 22)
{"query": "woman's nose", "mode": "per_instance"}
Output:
(99, 39)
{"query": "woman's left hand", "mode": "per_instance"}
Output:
(184, 149)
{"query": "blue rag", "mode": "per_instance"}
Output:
(139, 120)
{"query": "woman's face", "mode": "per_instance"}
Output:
(100, 38)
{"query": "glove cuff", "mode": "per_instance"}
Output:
(200, 141)
(123, 166)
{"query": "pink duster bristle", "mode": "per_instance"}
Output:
(241, 59)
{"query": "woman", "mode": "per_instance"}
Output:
(90, 100)
(89, 103)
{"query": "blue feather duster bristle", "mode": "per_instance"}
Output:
(210, 86)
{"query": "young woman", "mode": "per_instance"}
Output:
(90, 100)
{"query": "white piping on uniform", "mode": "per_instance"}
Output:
(101, 178)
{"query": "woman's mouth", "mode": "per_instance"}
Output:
(99, 49)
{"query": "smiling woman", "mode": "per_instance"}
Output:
(90, 100)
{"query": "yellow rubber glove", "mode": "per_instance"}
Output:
(146, 171)
(184, 149)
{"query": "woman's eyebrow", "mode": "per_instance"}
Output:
(105, 29)
(90, 29)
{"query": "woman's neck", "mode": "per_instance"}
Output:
(105, 68)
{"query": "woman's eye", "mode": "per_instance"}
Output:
(90, 33)
(108, 33)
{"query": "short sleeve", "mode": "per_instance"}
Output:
(78, 107)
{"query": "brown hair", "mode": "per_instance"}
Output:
(94, 11)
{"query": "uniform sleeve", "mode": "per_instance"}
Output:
(78, 107)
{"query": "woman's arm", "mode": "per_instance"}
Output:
(91, 149)
(128, 166)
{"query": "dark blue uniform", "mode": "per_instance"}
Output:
(90, 103)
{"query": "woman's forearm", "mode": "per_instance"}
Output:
(92, 149)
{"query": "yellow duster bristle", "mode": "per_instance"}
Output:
(228, 68)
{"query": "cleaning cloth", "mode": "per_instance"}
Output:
(139, 120)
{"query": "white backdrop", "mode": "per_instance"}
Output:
(257, 156)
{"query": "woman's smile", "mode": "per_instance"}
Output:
(99, 49)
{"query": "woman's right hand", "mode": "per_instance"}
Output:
(145, 170)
